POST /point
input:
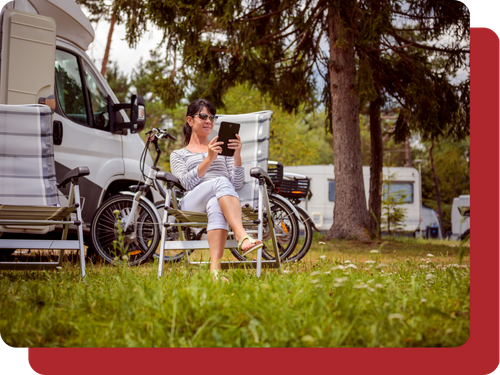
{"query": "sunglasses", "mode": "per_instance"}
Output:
(204, 116)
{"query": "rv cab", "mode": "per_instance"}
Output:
(43, 61)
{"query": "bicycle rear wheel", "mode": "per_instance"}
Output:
(140, 240)
(285, 227)
(304, 242)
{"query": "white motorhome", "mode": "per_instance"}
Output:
(460, 217)
(320, 205)
(43, 60)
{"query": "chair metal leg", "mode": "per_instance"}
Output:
(161, 260)
(271, 228)
(76, 189)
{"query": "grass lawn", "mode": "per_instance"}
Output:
(391, 293)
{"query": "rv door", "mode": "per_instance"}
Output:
(27, 57)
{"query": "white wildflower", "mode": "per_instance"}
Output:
(423, 300)
(379, 286)
(321, 243)
(347, 261)
(327, 272)
(341, 279)
(322, 256)
(337, 268)
(370, 281)
(396, 316)
(59, 267)
(374, 251)
(308, 338)
(429, 276)
(314, 281)
(286, 271)
(315, 273)
(430, 255)
(370, 261)
(351, 266)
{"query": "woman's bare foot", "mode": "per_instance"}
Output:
(216, 276)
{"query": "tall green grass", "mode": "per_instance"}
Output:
(341, 295)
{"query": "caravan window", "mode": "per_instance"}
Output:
(98, 100)
(69, 87)
(331, 191)
(400, 188)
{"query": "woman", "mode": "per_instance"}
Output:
(212, 180)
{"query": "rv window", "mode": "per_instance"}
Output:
(400, 188)
(331, 191)
(98, 101)
(69, 87)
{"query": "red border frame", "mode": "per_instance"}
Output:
(480, 355)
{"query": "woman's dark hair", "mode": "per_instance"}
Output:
(194, 108)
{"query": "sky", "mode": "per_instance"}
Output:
(120, 52)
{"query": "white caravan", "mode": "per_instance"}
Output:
(43, 60)
(322, 187)
(460, 217)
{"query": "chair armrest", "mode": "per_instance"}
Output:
(170, 179)
(73, 175)
(262, 175)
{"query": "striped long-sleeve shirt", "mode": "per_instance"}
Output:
(184, 165)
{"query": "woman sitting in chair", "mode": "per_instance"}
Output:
(211, 181)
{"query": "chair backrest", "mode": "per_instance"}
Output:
(254, 133)
(27, 167)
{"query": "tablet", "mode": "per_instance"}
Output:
(227, 131)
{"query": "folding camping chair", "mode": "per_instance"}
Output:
(29, 198)
(254, 132)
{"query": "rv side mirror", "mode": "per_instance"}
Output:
(137, 115)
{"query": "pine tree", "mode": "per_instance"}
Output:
(278, 47)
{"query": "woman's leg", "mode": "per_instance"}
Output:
(216, 240)
(231, 209)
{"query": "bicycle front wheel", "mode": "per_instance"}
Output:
(112, 241)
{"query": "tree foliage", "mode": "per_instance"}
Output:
(400, 50)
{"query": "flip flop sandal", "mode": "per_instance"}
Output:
(252, 241)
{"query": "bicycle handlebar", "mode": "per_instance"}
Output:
(159, 134)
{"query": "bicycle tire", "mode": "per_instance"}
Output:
(286, 230)
(305, 221)
(142, 238)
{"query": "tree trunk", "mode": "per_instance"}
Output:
(108, 45)
(436, 187)
(407, 153)
(350, 215)
(375, 199)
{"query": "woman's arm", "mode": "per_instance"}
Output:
(188, 178)
(236, 173)
(214, 150)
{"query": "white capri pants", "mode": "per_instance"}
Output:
(205, 198)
